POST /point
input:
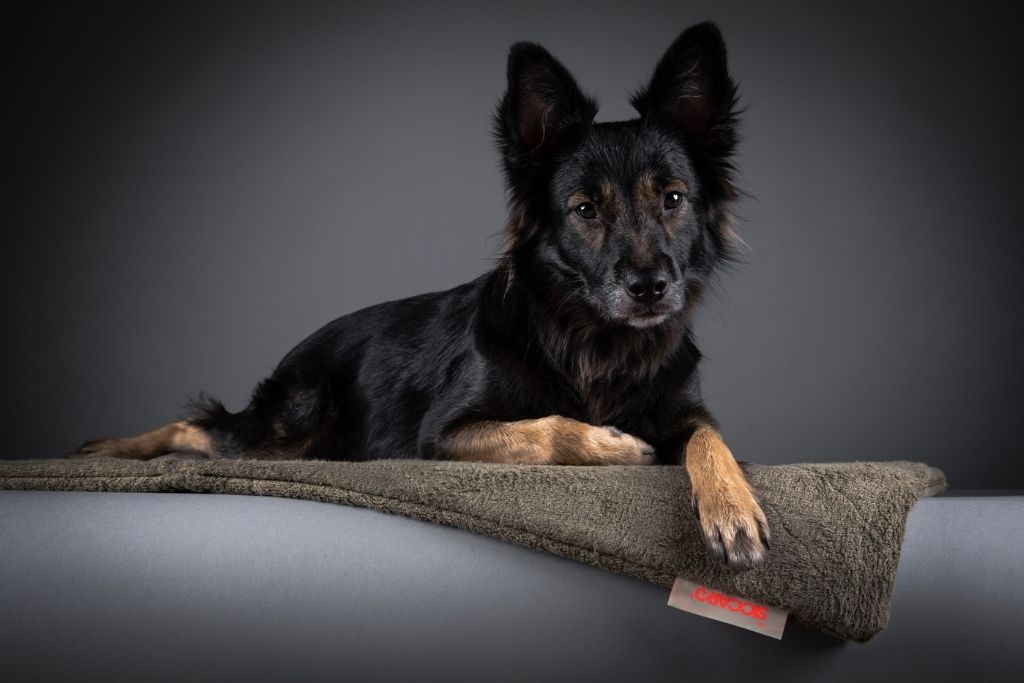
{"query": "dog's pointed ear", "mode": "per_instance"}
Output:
(541, 103)
(691, 91)
(692, 95)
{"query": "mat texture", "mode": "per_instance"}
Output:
(836, 528)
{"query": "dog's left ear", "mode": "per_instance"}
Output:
(692, 95)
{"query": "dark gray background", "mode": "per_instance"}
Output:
(190, 192)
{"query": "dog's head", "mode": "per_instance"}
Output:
(625, 220)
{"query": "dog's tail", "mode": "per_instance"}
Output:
(210, 414)
(288, 417)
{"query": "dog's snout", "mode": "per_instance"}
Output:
(646, 286)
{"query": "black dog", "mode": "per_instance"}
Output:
(576, 349)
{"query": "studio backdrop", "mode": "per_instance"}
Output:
(191, 189)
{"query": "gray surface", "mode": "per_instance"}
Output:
(185, 586)
(195, 187)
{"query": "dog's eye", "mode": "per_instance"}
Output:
(587, 210)
(673, 199)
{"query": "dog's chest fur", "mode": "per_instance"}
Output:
(611, 372)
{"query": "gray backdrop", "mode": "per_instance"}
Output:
(190, 192)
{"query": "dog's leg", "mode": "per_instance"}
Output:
(552, 440)
(734, 526)
(181, 437)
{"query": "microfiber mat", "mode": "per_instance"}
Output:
(836, 528)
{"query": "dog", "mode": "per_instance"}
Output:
(576, 349)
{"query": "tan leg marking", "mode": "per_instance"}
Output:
(175, 437)
(552, 440)
(735, 528)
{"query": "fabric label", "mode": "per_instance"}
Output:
(713, 604)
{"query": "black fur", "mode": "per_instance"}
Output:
(550, 331)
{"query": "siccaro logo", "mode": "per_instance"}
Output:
(748, 609)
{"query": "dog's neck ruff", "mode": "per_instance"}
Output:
(598, 359)
(601, 359)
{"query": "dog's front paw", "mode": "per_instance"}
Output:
(615, 447)
(583, 444)
(733, 524)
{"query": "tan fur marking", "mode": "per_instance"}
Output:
(646, 192)
(677, 186)
(673, 225)
(725, 499)
(592, 234)
(179, 437)
(575, 199)
(188, 438)
(612, 200)
(552, 440)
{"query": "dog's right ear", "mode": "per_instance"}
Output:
(541, 104)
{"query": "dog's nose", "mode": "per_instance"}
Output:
(646, 286)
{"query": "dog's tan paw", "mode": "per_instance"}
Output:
(612, 446)
(733, 524)
(551, 440)
(100, 448)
